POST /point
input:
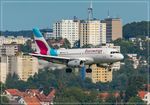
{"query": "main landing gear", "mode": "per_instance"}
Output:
(88, 70)
(68, 70)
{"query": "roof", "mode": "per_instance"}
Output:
(31, 100)
(52, 93)
(48, 98)
(116, 94)
(141, 94)
(14, 92)
(32, 96)
(104, 95)
(147, 86)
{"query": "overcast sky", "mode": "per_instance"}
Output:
(26, 14)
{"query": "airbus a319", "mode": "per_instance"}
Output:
(72, 58)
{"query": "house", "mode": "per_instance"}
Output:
(29, 100)
(145, 96)
(12, 94)
(105, 95)
(31, 96)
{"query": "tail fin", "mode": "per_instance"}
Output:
(41, 45)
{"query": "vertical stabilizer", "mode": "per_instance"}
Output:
(41, 45)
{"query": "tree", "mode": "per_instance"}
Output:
(135, 83)
(2, 87)
(135, 101)
(66, 44)
(135, 29)
(75, 95)
(4, 100)
(12, 80)
(87, 46)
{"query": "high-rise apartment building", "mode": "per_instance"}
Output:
(92, 32)
(68, 29)
(23, 65)
(3, 68)
(9, 49)
(113, 29)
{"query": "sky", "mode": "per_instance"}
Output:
(25, 14)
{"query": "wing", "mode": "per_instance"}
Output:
(53, 59)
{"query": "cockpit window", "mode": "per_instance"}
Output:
(114, 52)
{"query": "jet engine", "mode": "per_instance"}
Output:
(103, 65)
(75, 63)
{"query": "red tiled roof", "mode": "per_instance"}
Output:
(116, 94)
(14, 92)
(32, 96)
(52, 93)
(48, 98)
(32, 91)
(141, 94)
(31, 100)
(104, 95)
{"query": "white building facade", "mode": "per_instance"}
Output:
(68, 29)
(23, 65)
(12, 39)
(92, 32)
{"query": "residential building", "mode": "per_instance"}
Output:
(49, 35)
(12, 39)
(145, 96)
(100, 74)
(68, 29)
(3, 68)
(113, 29)
(105, 95)
(9, 49)
(92, 32)
(30, 97)
(135, 60)
(23, 65)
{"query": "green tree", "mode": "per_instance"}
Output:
(135, 83)
(135, 29)
(87, 46)
(2, 87)
(111, 100)
(4, 100)
(66, 44)
(27, 48)
(12, 80)
(135, 101)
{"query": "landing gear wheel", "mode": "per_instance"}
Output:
(68, 70)
(88, 70)
(109, 69)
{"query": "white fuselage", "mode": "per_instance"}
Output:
(92, 55)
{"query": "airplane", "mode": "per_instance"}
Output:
(75, 58)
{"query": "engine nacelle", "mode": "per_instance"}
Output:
(75, 63)
(102, 65)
